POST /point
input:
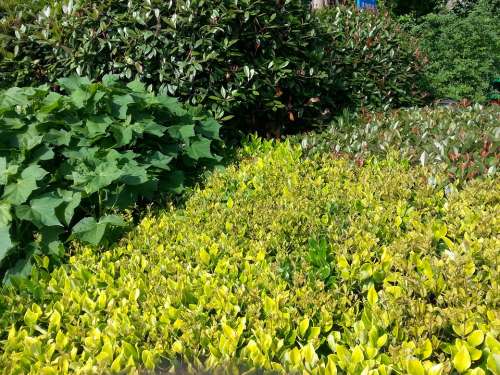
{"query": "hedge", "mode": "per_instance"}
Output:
(267, 63)
(284, 264)
(463, 142)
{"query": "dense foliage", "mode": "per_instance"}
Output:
(462, 50)
(70, 159)
(463, 142)
(266, 62)
(417, 8)
(235, 56)
(281, 263)
(373, 62)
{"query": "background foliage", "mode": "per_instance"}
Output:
(70, 160)
(285, 264)
(462, 50)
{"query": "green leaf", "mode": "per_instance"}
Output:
(210, 128)
(90, 231)
(19, 192)
(181, 132)
(5, 241)
(71, 201)
(151, 127)
(34, 171)
(200, 149)
(73, 83)
(160, 160)
(120, 105)
(137, 86)
(173, 182)
(172, 105)
(44, 209)
(462, 360)
(5, 214)
(97, 125)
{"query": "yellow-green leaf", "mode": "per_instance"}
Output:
(462, 360)
(414, 367)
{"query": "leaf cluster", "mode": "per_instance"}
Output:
(71, 159)
(413, 284)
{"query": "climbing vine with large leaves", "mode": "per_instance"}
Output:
(73, 155)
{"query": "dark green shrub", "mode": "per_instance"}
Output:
(463, 51)
(239, 57)
(293, 266)
(417, 8)
(463, 142)
(372, 62)
(261, 61)
(69, 161)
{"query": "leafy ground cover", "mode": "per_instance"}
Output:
(463, 142)
(70, 161)
(284, 263)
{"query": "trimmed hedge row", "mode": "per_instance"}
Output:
(463, 142)
(284, 264)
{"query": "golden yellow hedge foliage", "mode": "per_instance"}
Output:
(281, 263)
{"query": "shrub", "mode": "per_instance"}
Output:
(283, 264)
(462, 51)
(241, 57)
(70, 160)
(264, 62)
(463, 142)
(373, 62)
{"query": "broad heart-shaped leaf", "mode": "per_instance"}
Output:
(34, 171)
(73, 83)
(134, 174)
(91, 231)
(71, 200)
(210, 128)
(171, 104)
(200, 148)
(151, 127)
(110, 80)
(19, 192)
(160, 160)
(5, 214)
(103, 175)
(5, 241)
(137, 86)
(97, 125)
(80, 97)
(44, 209)
(120, 105)
(13, 97)
(173, 182)
(181, 132)
(58, 137)
(122, 133)
(461, 360)
(3, 171)
(50, 242)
